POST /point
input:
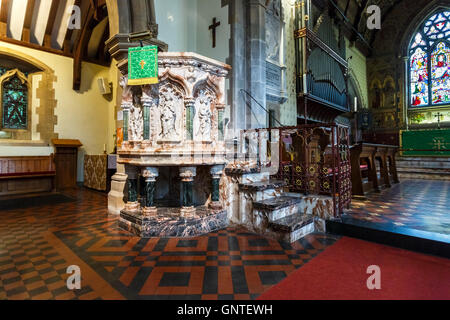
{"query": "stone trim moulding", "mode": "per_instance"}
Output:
(45, 92)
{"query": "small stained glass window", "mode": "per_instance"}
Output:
(429, 64)
(15, 104)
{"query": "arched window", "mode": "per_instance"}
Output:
(429, 64)
(14, 103)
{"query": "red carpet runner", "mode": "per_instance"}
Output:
(340, 273)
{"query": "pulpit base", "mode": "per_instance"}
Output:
(168, 223)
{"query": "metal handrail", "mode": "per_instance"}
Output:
(261, 106)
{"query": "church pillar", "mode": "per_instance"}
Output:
(256, 69)
(187, 175)
(238, 22)
(150, 174)
(216, 174)
(132, 203)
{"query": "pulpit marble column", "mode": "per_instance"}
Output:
(132, 203)
(150, 174)
(187, 175)
(216, 174)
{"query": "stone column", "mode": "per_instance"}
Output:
(187, 175)
(132, 203)
(146, 102)
(190, 110)
(115, 196)
(150, 174)
(216, 174)
(256, 67)
(126, 122)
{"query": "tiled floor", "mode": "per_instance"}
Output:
(38, 244)
(415, 204)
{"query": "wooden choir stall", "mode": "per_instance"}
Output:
(373, 167)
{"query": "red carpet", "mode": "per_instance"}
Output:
(340, 273)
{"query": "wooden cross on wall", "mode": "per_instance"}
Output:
(213, 27)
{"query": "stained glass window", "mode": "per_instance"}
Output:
(429, 64)
(440, 73)
(14, 104)
(419, 78)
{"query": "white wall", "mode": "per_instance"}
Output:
(207, 10)
(184, 26)
(177, 23)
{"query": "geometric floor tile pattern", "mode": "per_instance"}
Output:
(38, 244)
(416, 204)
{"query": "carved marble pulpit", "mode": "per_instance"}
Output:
(174, 148)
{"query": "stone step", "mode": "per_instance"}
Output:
(293, 227)
(262, 185)
(424, 176)
(420, 164)
(431, 159)
(423, 162)
(278, 207)
(424, 171)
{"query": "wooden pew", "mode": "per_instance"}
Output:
(366, 175)
(25, 175)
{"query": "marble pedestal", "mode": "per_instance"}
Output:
(168, 222)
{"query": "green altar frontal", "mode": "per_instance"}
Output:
(425, 143)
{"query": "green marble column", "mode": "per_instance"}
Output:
(150, 188)
(146, 122)
(132, 190)
(187, 175)
(216, 174)
(190, 120)
(215, 195)
(150, 174)
(188, 187)
(221, 125)
(125, 125)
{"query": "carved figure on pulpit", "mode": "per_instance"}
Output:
(204, 116)
(168, 117)
(136, 119)
(127, 94)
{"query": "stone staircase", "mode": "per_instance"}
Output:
(265, 206)
(432, 168)
(272, 212)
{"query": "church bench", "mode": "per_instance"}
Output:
(373, 167)
(26, 174)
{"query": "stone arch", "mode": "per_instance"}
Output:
(171, 77)
(207, 84)
(354, 83)
(45, 93)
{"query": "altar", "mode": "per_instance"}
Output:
(173, 149)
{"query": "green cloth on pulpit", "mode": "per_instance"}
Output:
(142, 65)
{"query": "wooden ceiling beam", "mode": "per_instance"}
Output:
(81, 45)
(4, 17)
(27, 22)
(358, 17)
(67, 41)
(51, 23)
